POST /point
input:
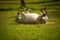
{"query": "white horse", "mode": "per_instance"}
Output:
(32, 17)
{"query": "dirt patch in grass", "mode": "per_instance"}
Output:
(50, 22)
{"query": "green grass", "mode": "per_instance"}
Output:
(11, 30)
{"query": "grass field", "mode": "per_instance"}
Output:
(11, 30)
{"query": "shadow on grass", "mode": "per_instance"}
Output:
(9, 9)
(42, 2)
(2, 9)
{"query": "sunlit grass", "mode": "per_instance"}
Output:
(11, 30)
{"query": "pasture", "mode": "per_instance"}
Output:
(11, 30)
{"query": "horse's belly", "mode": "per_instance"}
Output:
(31, 18)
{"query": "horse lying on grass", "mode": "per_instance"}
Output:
(32, 18)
